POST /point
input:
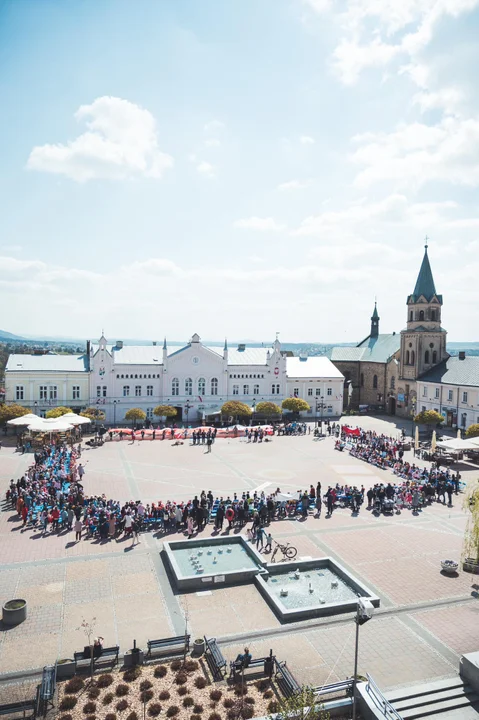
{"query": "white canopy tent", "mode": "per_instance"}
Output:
(24, 419)
(74, 419)
(456, 445)
(50, 425)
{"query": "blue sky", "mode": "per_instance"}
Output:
(236, 168)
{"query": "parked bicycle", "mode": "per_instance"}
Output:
(289, 552)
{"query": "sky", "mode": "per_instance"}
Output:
(236, 168)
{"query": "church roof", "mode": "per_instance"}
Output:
(375, 315)
(373, 349)
(318, 366)
(454, 372)
(425, 281)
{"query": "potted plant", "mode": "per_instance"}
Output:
(449, 566)
(14, 611)
(65, 668)
(199, 646)
(471, 537)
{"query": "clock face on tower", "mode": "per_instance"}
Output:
(195, 360)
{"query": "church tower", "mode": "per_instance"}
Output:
(375, 322)
(423, 341)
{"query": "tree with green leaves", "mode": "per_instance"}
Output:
(472, 431)
(302, 704)
(94, 413)
(267, 408)
(10, 412)
(165, 411)
(428, 417)
(471, 536)
(236, 409)
(295, 405)
(57, 412)
(135, 414)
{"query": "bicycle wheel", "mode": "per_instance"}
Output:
(290, 553)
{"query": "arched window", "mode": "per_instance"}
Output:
(235, 389)
(433, 314)
(413, 357)
(407, 357)
(245, 389)
(393, 382)
(410, 316)
(426, 357)
(214, 386)
(201, 386)
(175, 386)
(421, 314)
(362, 380)
(434, 357)
(255, 389)
(188, 386)
(375, 381)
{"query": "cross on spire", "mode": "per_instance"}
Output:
(426, 239)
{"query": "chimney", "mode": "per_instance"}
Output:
(241, 347)
(462, 354)
(119, 344)
(88, 348)
(154, 342)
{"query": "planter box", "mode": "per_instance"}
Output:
(471, 566)
(16, 614)
(65, 669)
(130, 658)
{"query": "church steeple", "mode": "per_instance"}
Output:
(375, 322)
(425, 282)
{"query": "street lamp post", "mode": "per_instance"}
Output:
(413, 415)
(115, 403)
(187, 408)
(253, 407)
(364, 613)
(321, 406)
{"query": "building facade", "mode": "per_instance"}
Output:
(195, 379)
(452, 389)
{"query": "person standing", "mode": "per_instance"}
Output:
(78, 529)
(269, 543)
(189, 526)
(209, 442)
(260, 535)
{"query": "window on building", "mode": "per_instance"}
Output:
(421, 314)
(463, 420)
(53, 392)
(410, 316)
(136, 377)
(407, 357)
(137, 390)
(296, 392)
(214, 386)
(424, 391)
(310, 392)
(450, 395)
(255, 389)
(413, 357)
(235, 389)
(126, 390)
(275, 389)
(423, 409)
(434, 357)
(464, 397)
(175, 386)
(426, 357)
(117, 377)
(330, 391)
(19, 392)
(188, 386)
(393, 382)
(201, 387)
(318, 392)
(361, 380)
(436, 393)
(43, 392)
(98, 390)
(433, 314)
(149, 413)
(375, 381)
(245, 389)
(149, 390)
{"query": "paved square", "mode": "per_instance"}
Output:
(425, 622)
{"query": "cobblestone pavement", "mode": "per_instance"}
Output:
(425, 622)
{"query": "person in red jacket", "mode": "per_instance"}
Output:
(230, 516)
(55, 518)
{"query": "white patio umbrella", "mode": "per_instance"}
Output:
(51, 425)
(433, 441)
(416, 439)
(75, 419)
(24, 419)
(458, 433)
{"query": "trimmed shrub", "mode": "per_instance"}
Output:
(160, 671)
(108, 698)
(90, 717)
(250, 700)
(198, 709)
(146, 696)
(181, 678)
(200, 682)
(122, 705)
(89, 708)
(195, 717)
(182, 690)
(132, 674)
(273, 706)
(172, 711)
(132, 716)
(146, 685)
(191, 665)
(241, 690)
(67, 717)
(268, 694)
(228, 702)
(154, 709)
(263, 685)
(93, 692)
(74, 685)
(214, 716)
(188, 701)
(216, 695)
(68, 703)
(164, 695)
(176, 665)
(104, 680)
(111, 716)
(121, 690)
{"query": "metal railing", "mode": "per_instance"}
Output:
(380, 701)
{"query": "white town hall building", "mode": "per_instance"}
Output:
(195, 379)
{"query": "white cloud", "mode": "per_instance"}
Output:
(212, 142)
(213, 126)
(121, 142)
(257, 223)
(206, 169)
(306, 140)
(294, 185)
(415, 154)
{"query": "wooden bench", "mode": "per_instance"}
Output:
(345, 686)
(25, 709)
(257, 665)
(168, 645)
(108, 655)
(286, 679)
(214, 657)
